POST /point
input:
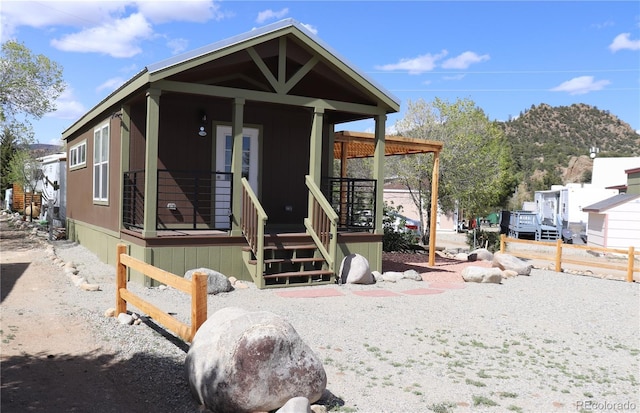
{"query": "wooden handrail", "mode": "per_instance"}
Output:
(252, 223)
(322, 223)
(197, 287)
(559, 246)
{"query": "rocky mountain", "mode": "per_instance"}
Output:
(551, 145)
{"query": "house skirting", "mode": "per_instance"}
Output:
(178, 253)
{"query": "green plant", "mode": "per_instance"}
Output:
(489, 238)
(483, 401)
(444, 407)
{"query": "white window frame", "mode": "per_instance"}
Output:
(78, 155)
(101, 164)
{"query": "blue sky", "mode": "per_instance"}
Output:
(504, 55)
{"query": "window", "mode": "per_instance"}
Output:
(78, 155)
(101, 164)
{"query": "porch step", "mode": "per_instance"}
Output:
(291, 263)
(317, 275)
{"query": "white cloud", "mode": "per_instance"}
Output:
(581, 85)
(67, 106)
(310, 28)
(177, 45)
(415, 66)
(198, 11)
(623, 41)
(119, 38)
(56, 13)
(111, 84)
(464, 60)
(269, 14)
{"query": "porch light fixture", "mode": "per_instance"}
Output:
(203, 122)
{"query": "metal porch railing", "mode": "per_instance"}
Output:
(187, 200)
(353, 200)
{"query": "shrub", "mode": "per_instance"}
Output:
(490, 238)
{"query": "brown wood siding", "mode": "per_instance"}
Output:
(80, 205)
(285, 160)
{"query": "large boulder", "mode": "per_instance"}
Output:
(482, 275)
(354, 269)
(483, 254)
(216, 282)
(242, 361)
(509, 262)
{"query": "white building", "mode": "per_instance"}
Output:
(53, 186)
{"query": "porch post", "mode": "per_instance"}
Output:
(151, 164)
(315, 147)
(434, 208)
(125, 138)
(378, 170)
(236, 164)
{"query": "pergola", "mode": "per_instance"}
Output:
(349, 145)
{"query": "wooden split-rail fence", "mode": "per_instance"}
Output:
(196, 287)
(559, 259)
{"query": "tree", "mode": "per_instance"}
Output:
(475, 167)
(29, 86)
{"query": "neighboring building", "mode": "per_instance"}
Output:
(222, 157)
(53, 187)
(610, 172)
(615, 222)
(561, 207)
(398, 195)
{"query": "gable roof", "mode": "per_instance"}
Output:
(180, 63)
(609, 203)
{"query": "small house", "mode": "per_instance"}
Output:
(615, 221)
(223, 157)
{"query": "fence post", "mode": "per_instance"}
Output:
(121, 279)
(502, 242)
(630, 265)
(559, 255)
(198, 302)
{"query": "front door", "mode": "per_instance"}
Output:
(224, 150)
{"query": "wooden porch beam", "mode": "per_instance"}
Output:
(276, 84)
(267, 97)
(378, 170)
(236, 165)
(125, 138)
(434, 208)
(151, 164)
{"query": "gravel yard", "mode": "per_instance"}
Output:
(544, 343)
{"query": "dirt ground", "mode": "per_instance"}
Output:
(49, 362)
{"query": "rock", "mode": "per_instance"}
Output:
(241, 285)
(242, 361)
(69, 265)
(509, 274)
(125, 318)
(509, 262)
(110, 312)
(318, 408)
(483, 254)
(354, 269)
(296, 405)
(377, 275)
(482, 275)
(216, 282)
(412, 275)
(233, 280)
(461, 256)
(70, 271)
(392, 276)
(89, 287)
